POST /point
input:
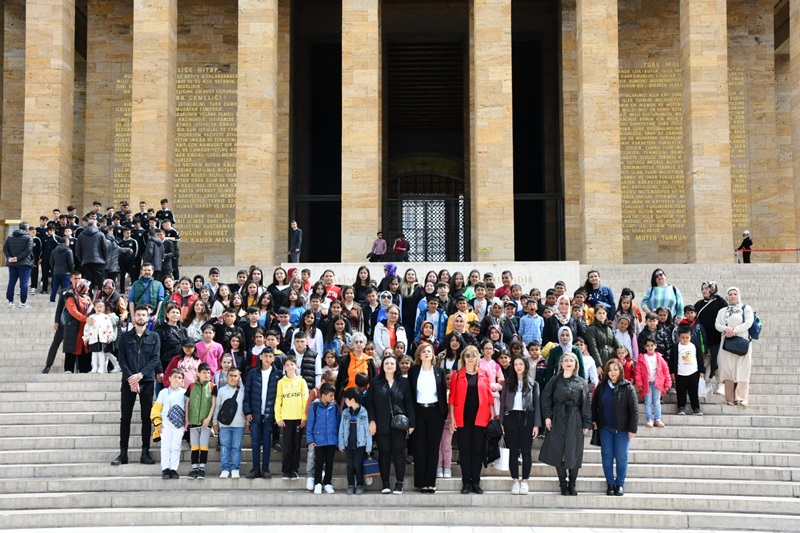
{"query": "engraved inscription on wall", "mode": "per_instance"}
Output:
(651, 142)
(740, 163)
(205, 162)
(122, 142)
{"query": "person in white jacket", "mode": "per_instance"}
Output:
(382, 338)
(99, 335)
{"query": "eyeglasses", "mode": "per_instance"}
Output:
(359, 342)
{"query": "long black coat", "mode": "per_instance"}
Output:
(566, 403)
(379, 406)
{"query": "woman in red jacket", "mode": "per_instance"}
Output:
(470, 411)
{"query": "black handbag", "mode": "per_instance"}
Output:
(228, 409)
(738, 345)
(399, 420)
(595, 438)
(493, 429)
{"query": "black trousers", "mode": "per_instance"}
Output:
(470, 453)
(82, 362)
(46, 274)
(427, 435)
(128, 268)
(323, 461)
(34, 276)
(58, 338)
(127, 401)
(94, 272)
(518, 426)
(684, 384)
(291, 447)
(355, 466)
(392, 449)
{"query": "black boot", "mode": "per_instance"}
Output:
(122, 458)
(146, 459)
(573, 476)
(618, 490)
(610, 490)
(562, 481)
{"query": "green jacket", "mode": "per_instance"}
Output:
(199, 402)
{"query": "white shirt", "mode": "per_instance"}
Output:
(687, 359)
(264, 386)
(652, 363)
(518, 398)
(426, 387)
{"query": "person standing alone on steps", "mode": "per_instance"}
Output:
(295, 242)
(747, 244)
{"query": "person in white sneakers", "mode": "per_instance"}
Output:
(232, 433)
(322, 435)
(99, 335)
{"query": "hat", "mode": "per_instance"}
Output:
(746, 232)
(188, 341)
(509, 303)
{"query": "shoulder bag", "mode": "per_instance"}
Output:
(738, 345)
(399, 420)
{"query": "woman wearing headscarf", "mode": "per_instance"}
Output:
(77, 306)
(562, 317)
(389, 272)
(707, 309)
(495, 317)
(734, 370)
(567, 413)
(564, 346)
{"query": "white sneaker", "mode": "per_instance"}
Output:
(523, 488)
(24, 306)
(720, 390)
(33, 291)
(440, 472)
(328, 489)
(11, 305)
(68, 372)
(448, 472)
(318, 488)
(234, 474)
(515, 488)
(310, 483)
(116, 370)
(224, 474)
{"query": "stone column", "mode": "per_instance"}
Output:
(256, 136)
(13, 109)
(155, 41)
(361, 126)
(706, 134)
(598, 131)
(284, 91)
(49, 88)
(794, 84)
(491, 131)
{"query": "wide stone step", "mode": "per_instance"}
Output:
(456, 510)
(283, 498)
(495, 482)
(589, 469)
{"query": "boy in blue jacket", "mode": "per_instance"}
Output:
(322, 435)
(354, 439)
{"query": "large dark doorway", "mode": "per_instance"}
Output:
(316, 127)
(425, 54)
(538, 187)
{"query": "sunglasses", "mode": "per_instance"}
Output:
(471, 356)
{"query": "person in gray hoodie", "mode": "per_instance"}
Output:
(18, 250)
(91, 252)
(62, 264)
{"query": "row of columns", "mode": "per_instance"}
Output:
(47, 153)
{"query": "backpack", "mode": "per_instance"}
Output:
(755, 328)
(228, 409)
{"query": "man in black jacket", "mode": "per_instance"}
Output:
(91, 252)
(139, 351)
(49, 243)
(295, 242)
(18, 250)
(154, 253)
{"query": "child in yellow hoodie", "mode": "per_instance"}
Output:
(290, 414)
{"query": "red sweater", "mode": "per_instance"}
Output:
(458, 395)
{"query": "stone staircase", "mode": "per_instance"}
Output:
(733, 468)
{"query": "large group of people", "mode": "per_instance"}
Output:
(410, 367)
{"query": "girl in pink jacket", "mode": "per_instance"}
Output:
(652, 382)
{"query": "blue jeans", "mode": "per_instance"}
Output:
(614, 446)
(59, 283)
(230, 442)
(261, 432)
(23, 274)
(652, 399)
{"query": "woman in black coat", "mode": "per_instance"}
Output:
(429, 392)
(707, 310)
(387, 397)
(616, 416)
